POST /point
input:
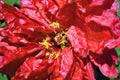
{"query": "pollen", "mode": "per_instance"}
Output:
(55, 25)
(61, 39)
(46, 42)
(52, 55)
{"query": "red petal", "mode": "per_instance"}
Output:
(78, 40)
(66, 61)
(11, 14)
(77, 73)
(38, 10)
(106, 62)
(61, 3)
(115, 6)
(34, 69)
(115, 43)
(63, 64)
(103, 32)
(15, 18)
(68, 16)
(42, 11)
(103, 19)
(109, 71)
(99, 23)
(97, 36)
(91, 7)
(10, 55)
(83, 73)
(1, 16)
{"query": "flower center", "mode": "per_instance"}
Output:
(58, 38)
(61, 39)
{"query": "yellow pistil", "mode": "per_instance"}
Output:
(55, 25)
(46, 42)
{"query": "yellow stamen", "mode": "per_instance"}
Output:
(53, 54)
(46, 42)
(55, 25)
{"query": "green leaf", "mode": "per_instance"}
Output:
(3, 77)
(11, 2)
(119, 1)
(18, 2)
(112, 79)
(118, 51)
(118, 65)
(118, 13)
(2, 24)
(119, 9)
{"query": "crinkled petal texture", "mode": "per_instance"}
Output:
(98, 37)
(15, 19)
(18, 39)
(96, 7)
(12, 55)
(37, 10)
(68, 16)
(35, 68)
(98, 33)
(106, 62)
(92, 31)
(82, 69)
(100, 24)
(63, 64)
(78, 40)
(44, 11)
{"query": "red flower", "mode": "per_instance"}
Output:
(59, 39)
